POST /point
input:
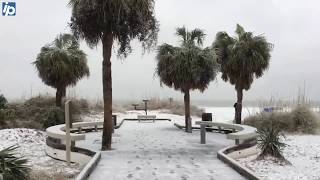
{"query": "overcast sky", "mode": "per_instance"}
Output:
(291, 25)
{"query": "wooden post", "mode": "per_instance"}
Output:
(68, 139)
(79, 130)
(203, 134)
(237, 141)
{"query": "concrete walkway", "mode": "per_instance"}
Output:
(150, 151)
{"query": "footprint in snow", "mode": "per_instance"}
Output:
(138, 168)
(184, 177)
(130, 176)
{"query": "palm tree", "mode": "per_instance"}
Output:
(242, 58)
(61, 64)
(109, 22)
(187, 67)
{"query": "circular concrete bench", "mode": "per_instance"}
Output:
(57, 138)
(240, 132)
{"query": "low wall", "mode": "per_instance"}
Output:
(230, 154)
(76, 157)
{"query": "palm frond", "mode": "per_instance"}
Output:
(243, 57)
(198, 35)
(13, 167)
(62, 63)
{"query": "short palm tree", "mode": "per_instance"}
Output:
(113, 21)
(242, 58)
(61, 64)
(187, 67)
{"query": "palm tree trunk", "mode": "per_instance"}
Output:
(187, 111)
(107, 41)
(64, 91)
(59, 95)
(239, 106)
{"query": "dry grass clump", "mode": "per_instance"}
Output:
(300, 120)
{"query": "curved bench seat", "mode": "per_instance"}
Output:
(58, 132)
(241, 132)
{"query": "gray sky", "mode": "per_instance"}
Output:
(291, 25)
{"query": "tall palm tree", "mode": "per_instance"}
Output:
(61, 64)
(187, 67)
(242, 58)
(113, 21)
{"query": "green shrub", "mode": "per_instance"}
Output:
(6, 115)
(269, 140)
(3, 101)
(300, 120)
(13, 167)
(53, 116)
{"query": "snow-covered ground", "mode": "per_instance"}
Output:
(159, 150)
(32, 146)
(303, 152)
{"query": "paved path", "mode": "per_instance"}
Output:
(160, 151)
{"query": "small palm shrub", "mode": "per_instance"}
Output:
(270, 141)
(13, 167)
(3, 101)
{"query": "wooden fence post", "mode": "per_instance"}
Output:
(68, 139)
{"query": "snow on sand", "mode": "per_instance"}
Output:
(32, 146)
(303, 152)
(159, 150)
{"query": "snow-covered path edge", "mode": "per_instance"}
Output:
(147, 155)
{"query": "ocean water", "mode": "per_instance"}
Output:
(226, 114)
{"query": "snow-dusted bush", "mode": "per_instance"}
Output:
(53, 116)
(6, 115)
(3, 101)
(304, 120)
(300, 119)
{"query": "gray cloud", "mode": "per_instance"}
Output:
(291, 25)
